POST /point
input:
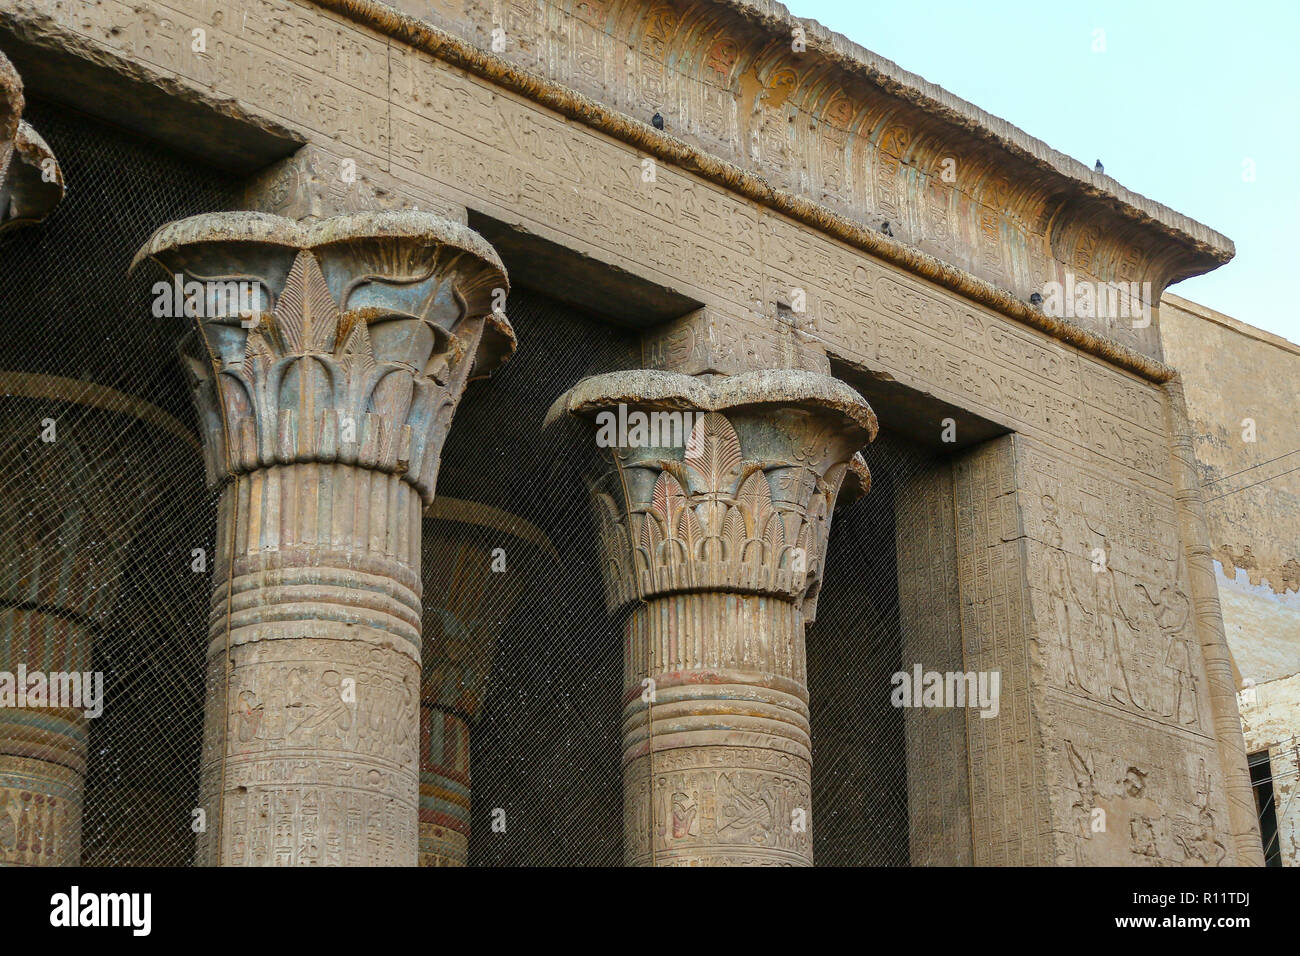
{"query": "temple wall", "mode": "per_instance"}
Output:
(821, 122)
(457, 140)
(938, 777)
(1233, 373)
(1106, 697)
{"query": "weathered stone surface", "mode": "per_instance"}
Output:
(324, 411)
(1246, 436)
(713, 540)
(834, 123)
(1076, 589)
(929, 598)
(31, 182)
(316, 182)
(572, 192)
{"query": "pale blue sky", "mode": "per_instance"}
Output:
(1182, 95)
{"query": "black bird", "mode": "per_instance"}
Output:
(884, 227)
(1099, 168)
(657, 121)
(1035, 299)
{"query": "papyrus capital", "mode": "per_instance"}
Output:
(722, 484)
(345, 340)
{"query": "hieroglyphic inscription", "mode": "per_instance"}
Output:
(938, 792)
(40, 813)
(1009, 800)
(458, 137)
(709, 802)
(1132, 794)
(315, 772)
(1111, 591)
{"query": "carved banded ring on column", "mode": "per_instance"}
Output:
(714, 540)
(327, 400)
(72, 507)
(467, 604)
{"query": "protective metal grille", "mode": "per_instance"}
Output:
(121, 490)
(108, 529)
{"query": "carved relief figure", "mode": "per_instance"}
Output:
(1200, 840)
(1114, 636)
(1172, 610)
(1142, 835)
(1086, 792)
(685, 815)
(745, 809)
(1067, 609)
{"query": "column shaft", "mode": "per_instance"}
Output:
(42, 749)
(477, 559)
(62, 559)
(444, 788)
(314, 667)
(717, 761)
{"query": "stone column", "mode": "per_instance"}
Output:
(42, 750)
(73, 488)
(470, 589)
(327, 360)
(713, 502)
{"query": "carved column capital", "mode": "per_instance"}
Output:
(477, 561)
(327, 359)
(719, 484)
(471, 590)
(31, 182)
(714, 498)
(346, 340)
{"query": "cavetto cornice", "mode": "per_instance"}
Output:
(953, 111)
(1071, 219)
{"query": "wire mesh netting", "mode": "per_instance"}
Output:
(1271, 773)
(105, 519)
(105, 566)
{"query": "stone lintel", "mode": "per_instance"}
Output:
(708, 342)
(319, 181)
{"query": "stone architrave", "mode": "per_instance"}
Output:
(713, 501)
(72, 495)
(327, 361)
(477, 561)
(31, 181)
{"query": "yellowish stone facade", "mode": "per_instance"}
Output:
(802, 243)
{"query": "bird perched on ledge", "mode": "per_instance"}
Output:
(1099, 168)
(657, 121)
